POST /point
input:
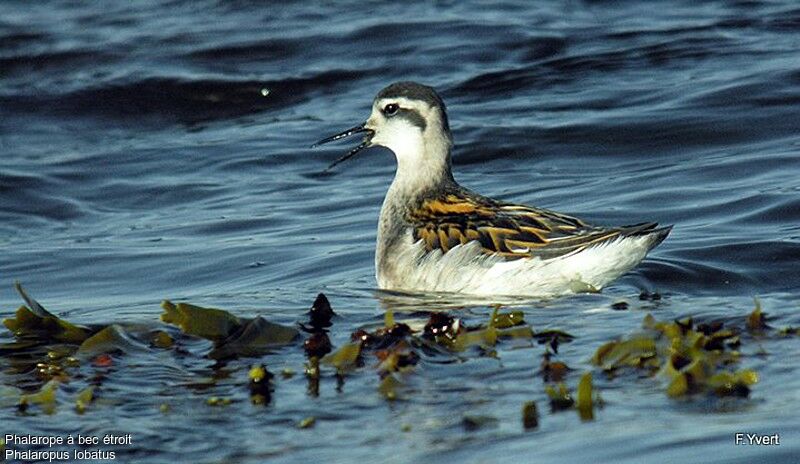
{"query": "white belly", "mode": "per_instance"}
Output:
(465, 269)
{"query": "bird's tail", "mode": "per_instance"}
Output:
(651, 230)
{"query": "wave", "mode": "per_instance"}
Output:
(181, 99)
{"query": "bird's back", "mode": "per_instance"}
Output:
(457, 241)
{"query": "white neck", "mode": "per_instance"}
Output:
(421, 171)
(423, 162)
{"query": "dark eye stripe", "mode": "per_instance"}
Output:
(413, 117)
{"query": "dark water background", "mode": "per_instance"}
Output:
(141, 160)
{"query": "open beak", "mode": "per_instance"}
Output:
(354, 130)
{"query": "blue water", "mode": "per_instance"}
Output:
(160, 149)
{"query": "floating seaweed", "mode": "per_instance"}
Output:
(648, 296)
(209, 323)
(391, 332)
(113, 338)
(530, 415)
(161, 339)
(442, 327)
(396, 345)
(345, 358)
(585, 403)
(472, 423)
(691, 358)
(307, 423)
(84, 398)
(506, 320)
(553, 337)
(231, 335)
(757, 320)
(35, 322)
(560, 397)
(389, 386)
(399, 358)
(552, 371)
(313, 375)
(260, 384)
(789, 331)
(688, 357)
(511, 325)
(620, 306)
(317, 345)
(217, 401)
(45, 398)
(320, 315)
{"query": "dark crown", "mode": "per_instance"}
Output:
(415, 91)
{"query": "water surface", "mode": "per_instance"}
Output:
(159, 149)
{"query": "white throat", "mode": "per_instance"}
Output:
(423, 158)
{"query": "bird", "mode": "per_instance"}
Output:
(436, 236)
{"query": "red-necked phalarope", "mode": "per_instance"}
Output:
(434, 235)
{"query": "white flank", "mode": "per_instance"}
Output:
(465, 269)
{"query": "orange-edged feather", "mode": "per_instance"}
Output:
(508, 230)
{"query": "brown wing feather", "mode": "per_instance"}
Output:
(512, 231)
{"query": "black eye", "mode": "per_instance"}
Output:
(391, 109)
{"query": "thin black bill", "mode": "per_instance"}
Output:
(353, 130)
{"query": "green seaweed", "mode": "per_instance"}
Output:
(506, 320)
(530, 415)
(687, 358)
(584, 402)
(510, 326)
(112, 338)
(757, 320)
(45, 398)
(520, 332)
(690, 358)
(83, 399)
(733, 383)
(209, 323)
(231, 335)
(260, 384)
(307, 422)
(161, 339)
(549, 334)
(34, 321)
(216, 401)
(553, 371)
(343, 359)
(560, 397)
(313, 375)
(389, 386)
(472, 423)
(27, 324)
(253, 338)
(789, 331)
(631, 352)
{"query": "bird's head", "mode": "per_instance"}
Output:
(409, 119)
